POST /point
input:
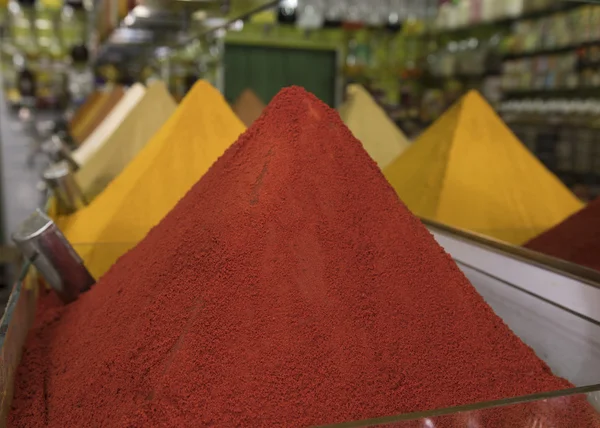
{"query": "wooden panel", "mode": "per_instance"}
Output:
(266, 70)
(14, 326)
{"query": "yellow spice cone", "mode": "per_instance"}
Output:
(370, 124)
(468, 170)
(178, 155)
(126, 134)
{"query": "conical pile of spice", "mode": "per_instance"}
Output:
(289, 287)
(112, 120)
(197, 133)
(84, 110)
(468, 170)
(577, 239)
(370, 124)
(93, 178)
(248, 107)
(82, 128)
(124, 135)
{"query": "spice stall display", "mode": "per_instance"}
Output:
(248, 107)
(121, 136)
(289, 287)
(182, 150)
(370, 124)
(577, 239)
(82, 128)
(469, 171)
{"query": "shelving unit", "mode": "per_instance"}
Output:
(545, 93)
(535, 67)
(550, 51)
(565, 6)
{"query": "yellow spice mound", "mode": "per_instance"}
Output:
(468, 170)
(370, 124)
(200, 130)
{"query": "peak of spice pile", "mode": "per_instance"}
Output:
(289, 287)
(370, 124)
(577, 239)
(248, 107)
(182, 150)
(468, 170)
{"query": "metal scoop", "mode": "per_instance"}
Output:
(60, 179)
(43, 244)
(57, 150)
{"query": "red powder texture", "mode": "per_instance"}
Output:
(577, 239)
(289, 287)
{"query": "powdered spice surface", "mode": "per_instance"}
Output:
(248, 107)
(170, 163)
(380, 136)
(84, 110)
(91, 118)
(469, 171)
(289, 287)
(577, 239)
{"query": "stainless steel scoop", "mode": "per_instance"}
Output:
(61, 181)
(57, 150)
(42, 243)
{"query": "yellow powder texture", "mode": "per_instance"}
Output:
(248, 107)
(96, 114)
(125, 135)
(468, 170)
(196, 135)
(370, 124)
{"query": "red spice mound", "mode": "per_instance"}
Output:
(289, 287)
(576, 239)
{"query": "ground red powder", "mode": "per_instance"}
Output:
(289, 287)
(577, 239)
